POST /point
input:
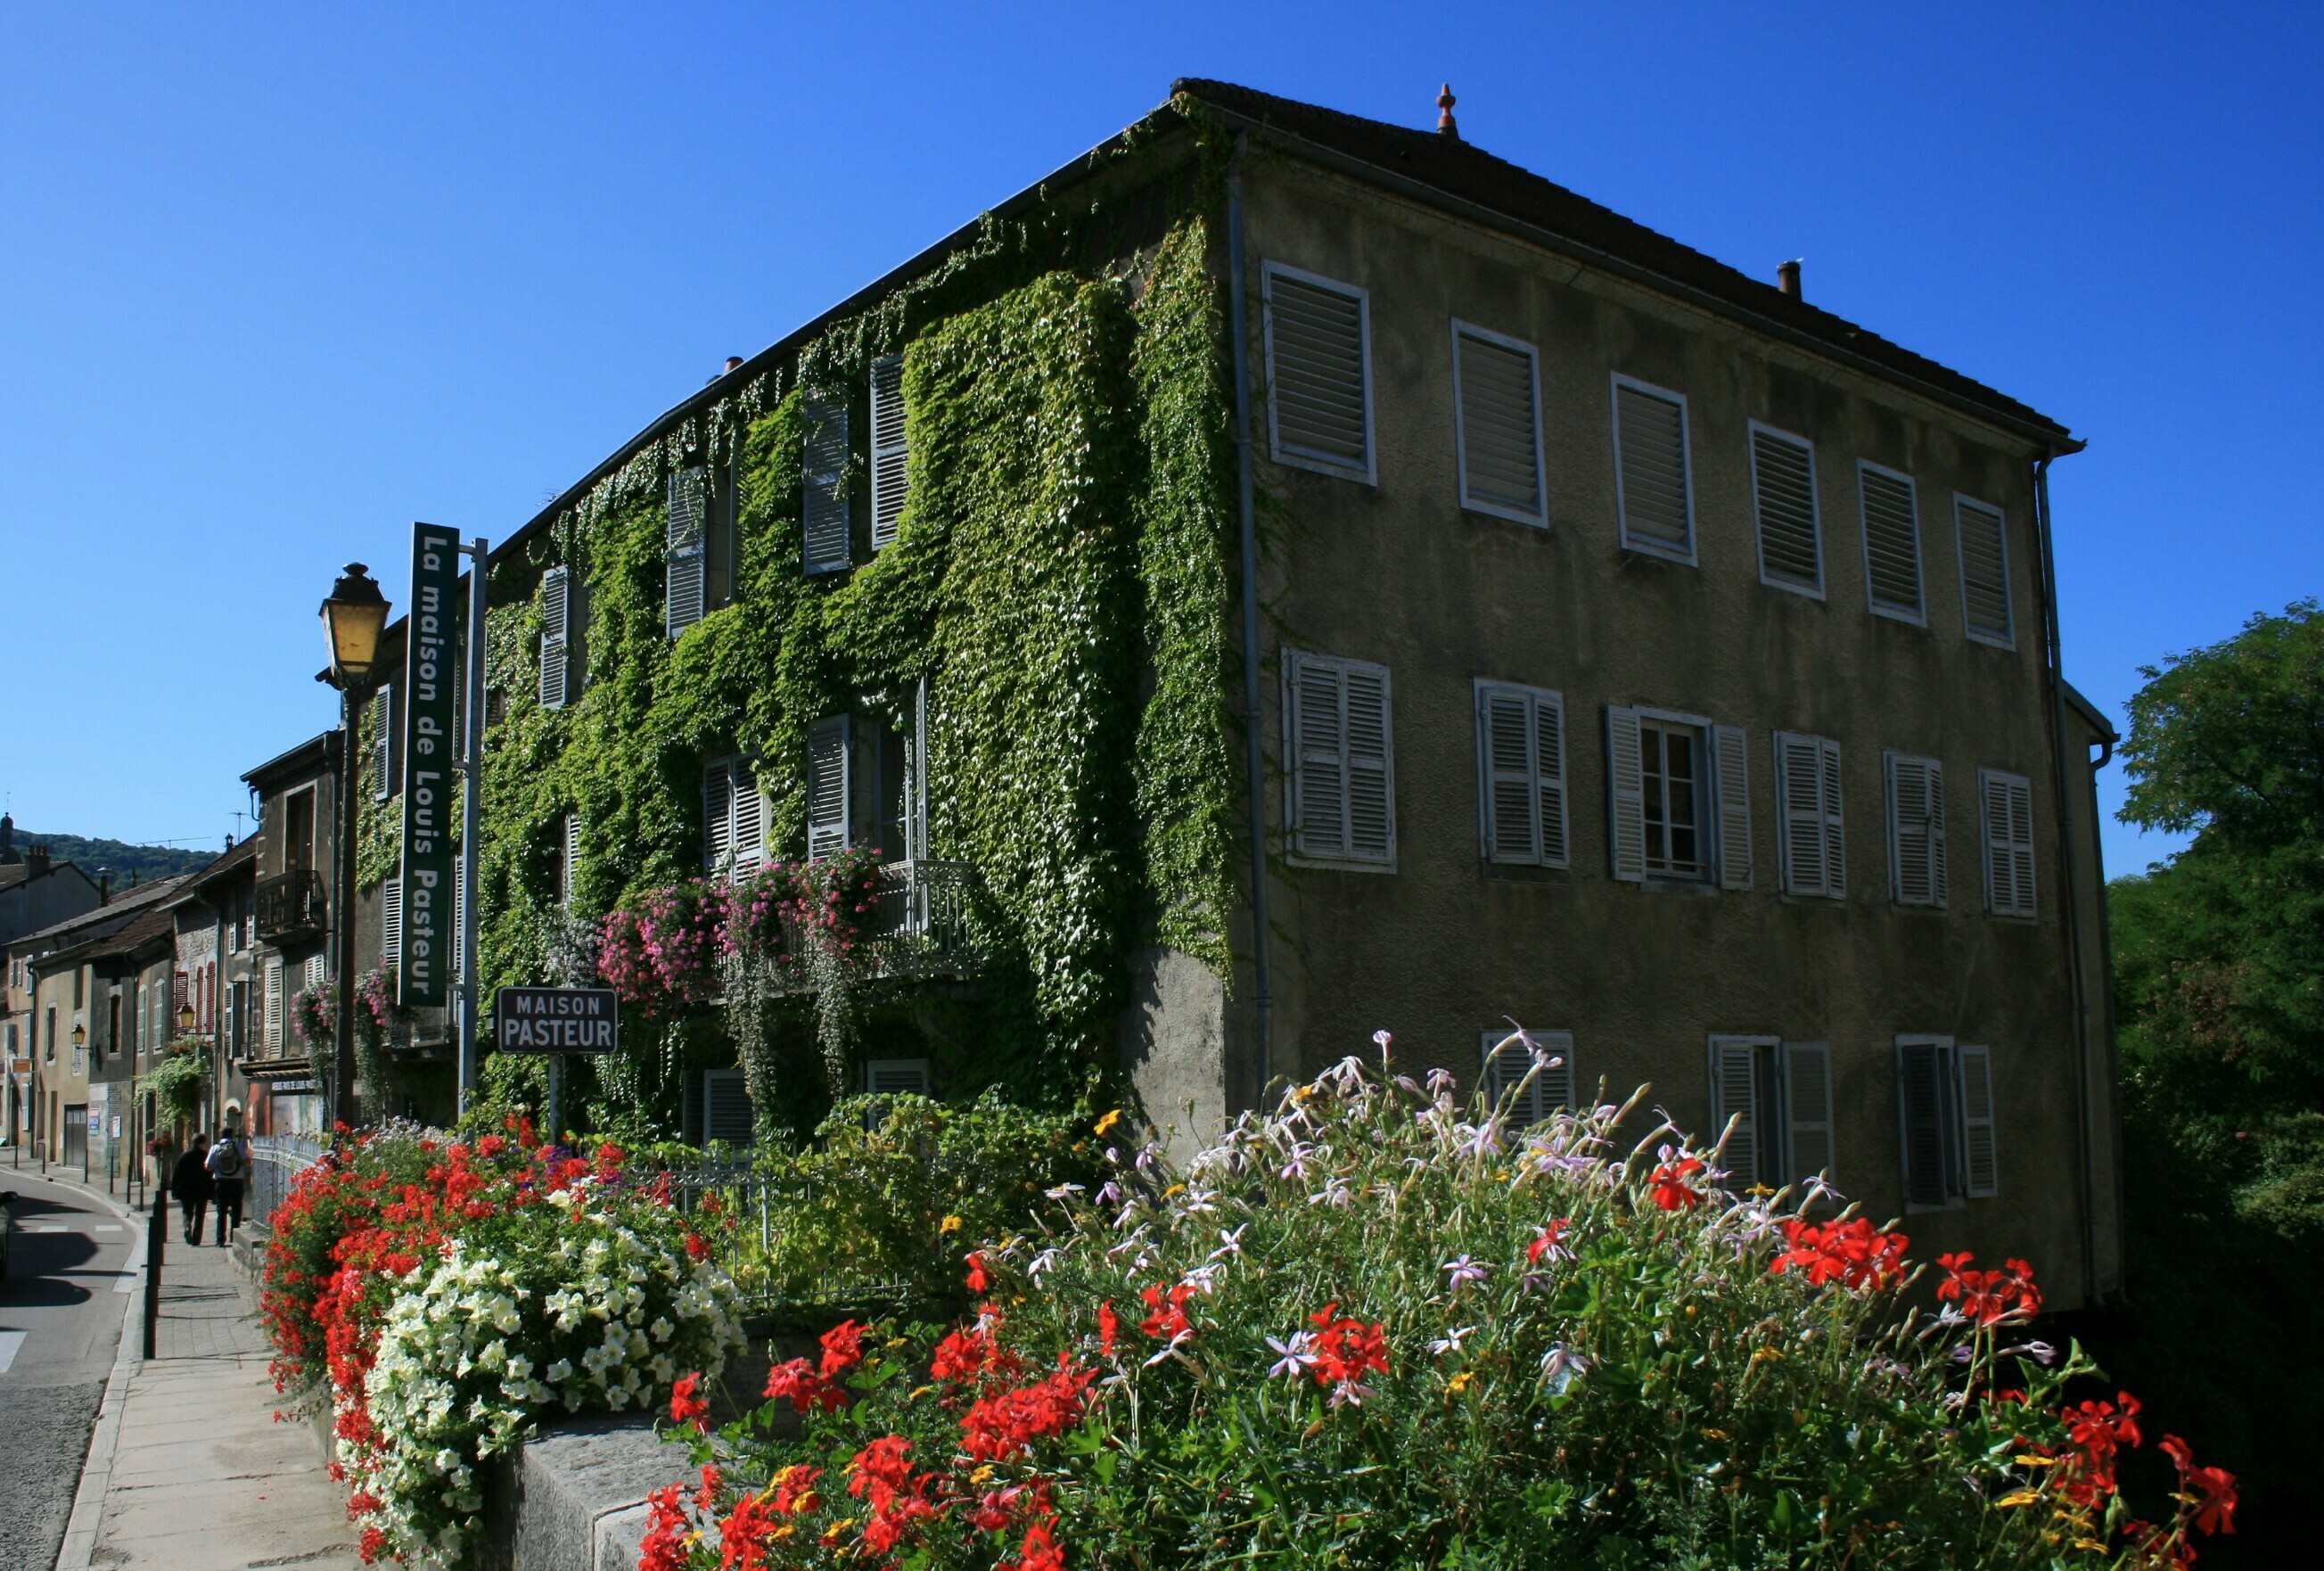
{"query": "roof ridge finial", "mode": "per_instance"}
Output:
(1444, 125)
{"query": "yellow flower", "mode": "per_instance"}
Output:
(833, 1533)
(1174, 1190)
(1721, 1435)
(2023, 1497)
(1461, 1382)
(949, 1225)
(983, 1473)
(1109, 1121)
(1767, 1355)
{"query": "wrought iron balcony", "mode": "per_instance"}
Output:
(290, 907)
(918, 928)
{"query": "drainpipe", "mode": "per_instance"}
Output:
(2070, 903)
(1254, 754)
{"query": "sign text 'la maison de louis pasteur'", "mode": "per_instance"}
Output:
(432, 676)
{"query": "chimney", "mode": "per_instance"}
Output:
(7, 839)
(734, 364)
(104, 886)
(36, 862)
(1787, 278)
(1445, 126)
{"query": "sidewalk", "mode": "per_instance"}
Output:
(187, 1469)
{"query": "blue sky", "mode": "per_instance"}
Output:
(277, 280)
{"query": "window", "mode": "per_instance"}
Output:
(391, 921)
(1892, 543)
(1319, 407)
(298, 832)
(1340, 784)
(896, 1076)
(1508, 1063)
(719, 1108)
(823, 509)
(238, 1006)
(1945, 1104)
(1810, 846)
(1496, 424)
(1984, 573)
(828, 757)
(733, 815)
(316, 971)
(1783, 494)
(1521, 775)
(686, 551)
(1653, 491)
(1679, 799)
(1916, 830)
(1777, 1097)
(556, 634)
(383, 783)
(891, 448)
(857, 786)
(721, 539)
(49, 1052)
(2008, 816)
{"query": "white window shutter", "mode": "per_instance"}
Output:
(1800, 823)
(1626, 796)
(1980, 1155)
(890, 449)
(1782, 490)
(1653, 491)
(718, 812)
(1549, 760)
(748, 845)
(1508, 765)
(459, 914)
(1922, 1093)
(686, 551)
(1316, 701)
(2006, 804)
(1916, 830)
(824, 507)
(274, 1006)
(391, 920)
(383, 742)
(1497, 404)
(827, 793)
(896, 1076)
(1371, 775)
(1735, 1094)
(1983, 572)
(1318, 370)
(1807, 1098)
(1835, 836)
(1727, 744)
(1892, 541)
(556, 627)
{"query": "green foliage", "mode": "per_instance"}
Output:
(894, 1189)
(176, 1082)
(128, 865)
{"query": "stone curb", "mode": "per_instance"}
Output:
(97, 1472)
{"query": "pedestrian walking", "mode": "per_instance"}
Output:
(228, 1164)
(190, 1182)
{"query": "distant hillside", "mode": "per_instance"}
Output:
(128, 863)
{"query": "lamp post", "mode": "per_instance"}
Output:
(80, 1043)
(354, 615)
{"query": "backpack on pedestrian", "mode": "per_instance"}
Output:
(226, 1159)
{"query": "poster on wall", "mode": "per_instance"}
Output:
(431, 675)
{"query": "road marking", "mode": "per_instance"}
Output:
(126, 1282)
(44, 1227)
(108, 1227)
(10, 1340)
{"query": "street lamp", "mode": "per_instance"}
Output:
(354, 616)
(185, 1020)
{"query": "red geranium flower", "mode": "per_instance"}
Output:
(842, 1346)
(1669, 1181)
(685, 1407)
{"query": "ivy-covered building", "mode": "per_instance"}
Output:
(1587, 634)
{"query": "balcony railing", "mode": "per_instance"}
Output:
(918, 927)
(290, 906)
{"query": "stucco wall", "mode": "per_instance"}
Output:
(1398, 573)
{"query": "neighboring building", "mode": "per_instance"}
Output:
(35, 893)
(288, 949)
(1642, 653)
(216, 938)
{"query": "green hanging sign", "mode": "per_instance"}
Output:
(431, 677)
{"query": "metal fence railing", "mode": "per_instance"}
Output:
(276, 1161)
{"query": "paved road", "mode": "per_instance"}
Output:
(59, 1328)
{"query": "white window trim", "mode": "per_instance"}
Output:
(1540, 517)
(1290, 659)
(1961, 564)
(1293, 458)
(1686, 454)
(1815, 508)
(1920, 554)
(1707, 825)
(1479, 687)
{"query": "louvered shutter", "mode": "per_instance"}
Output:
(1735, 1094)
(1507, 1062)
(1734, 769)
(383, 742)
(1916, 830)
(1892, 541)
(1807, 1099)
(1626, 796)
(273, 1007)
(718, 812)
(555, 626)
(1513, 798)
(391, 921)
(1922, 1091)
(1319, 402)
(1981, 1157)
(1498, 409)
(824, 506)
(1798, 788)
(726, 1107)
(888, 448)
(1835, 837)
(828, 760)
(687, 550)
(2007, 803)
(1549, 763)
(1783, 494)
(1319, 788)
(1651, 482)
(1984, 572)
(749, 843)
(896, 1076)
(1371, 783)
(572, 837)
(459, 915)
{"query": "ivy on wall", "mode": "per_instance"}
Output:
(1062, 579)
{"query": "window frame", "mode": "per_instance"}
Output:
(1706, 789)
(2007, 639)
(1293, 456)
(1872, 600)
(1481, 689)
(1690, 556)
(737, 765)
(1470, 503)
(1753, 430)
(1954, 1123)
(815, 410)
